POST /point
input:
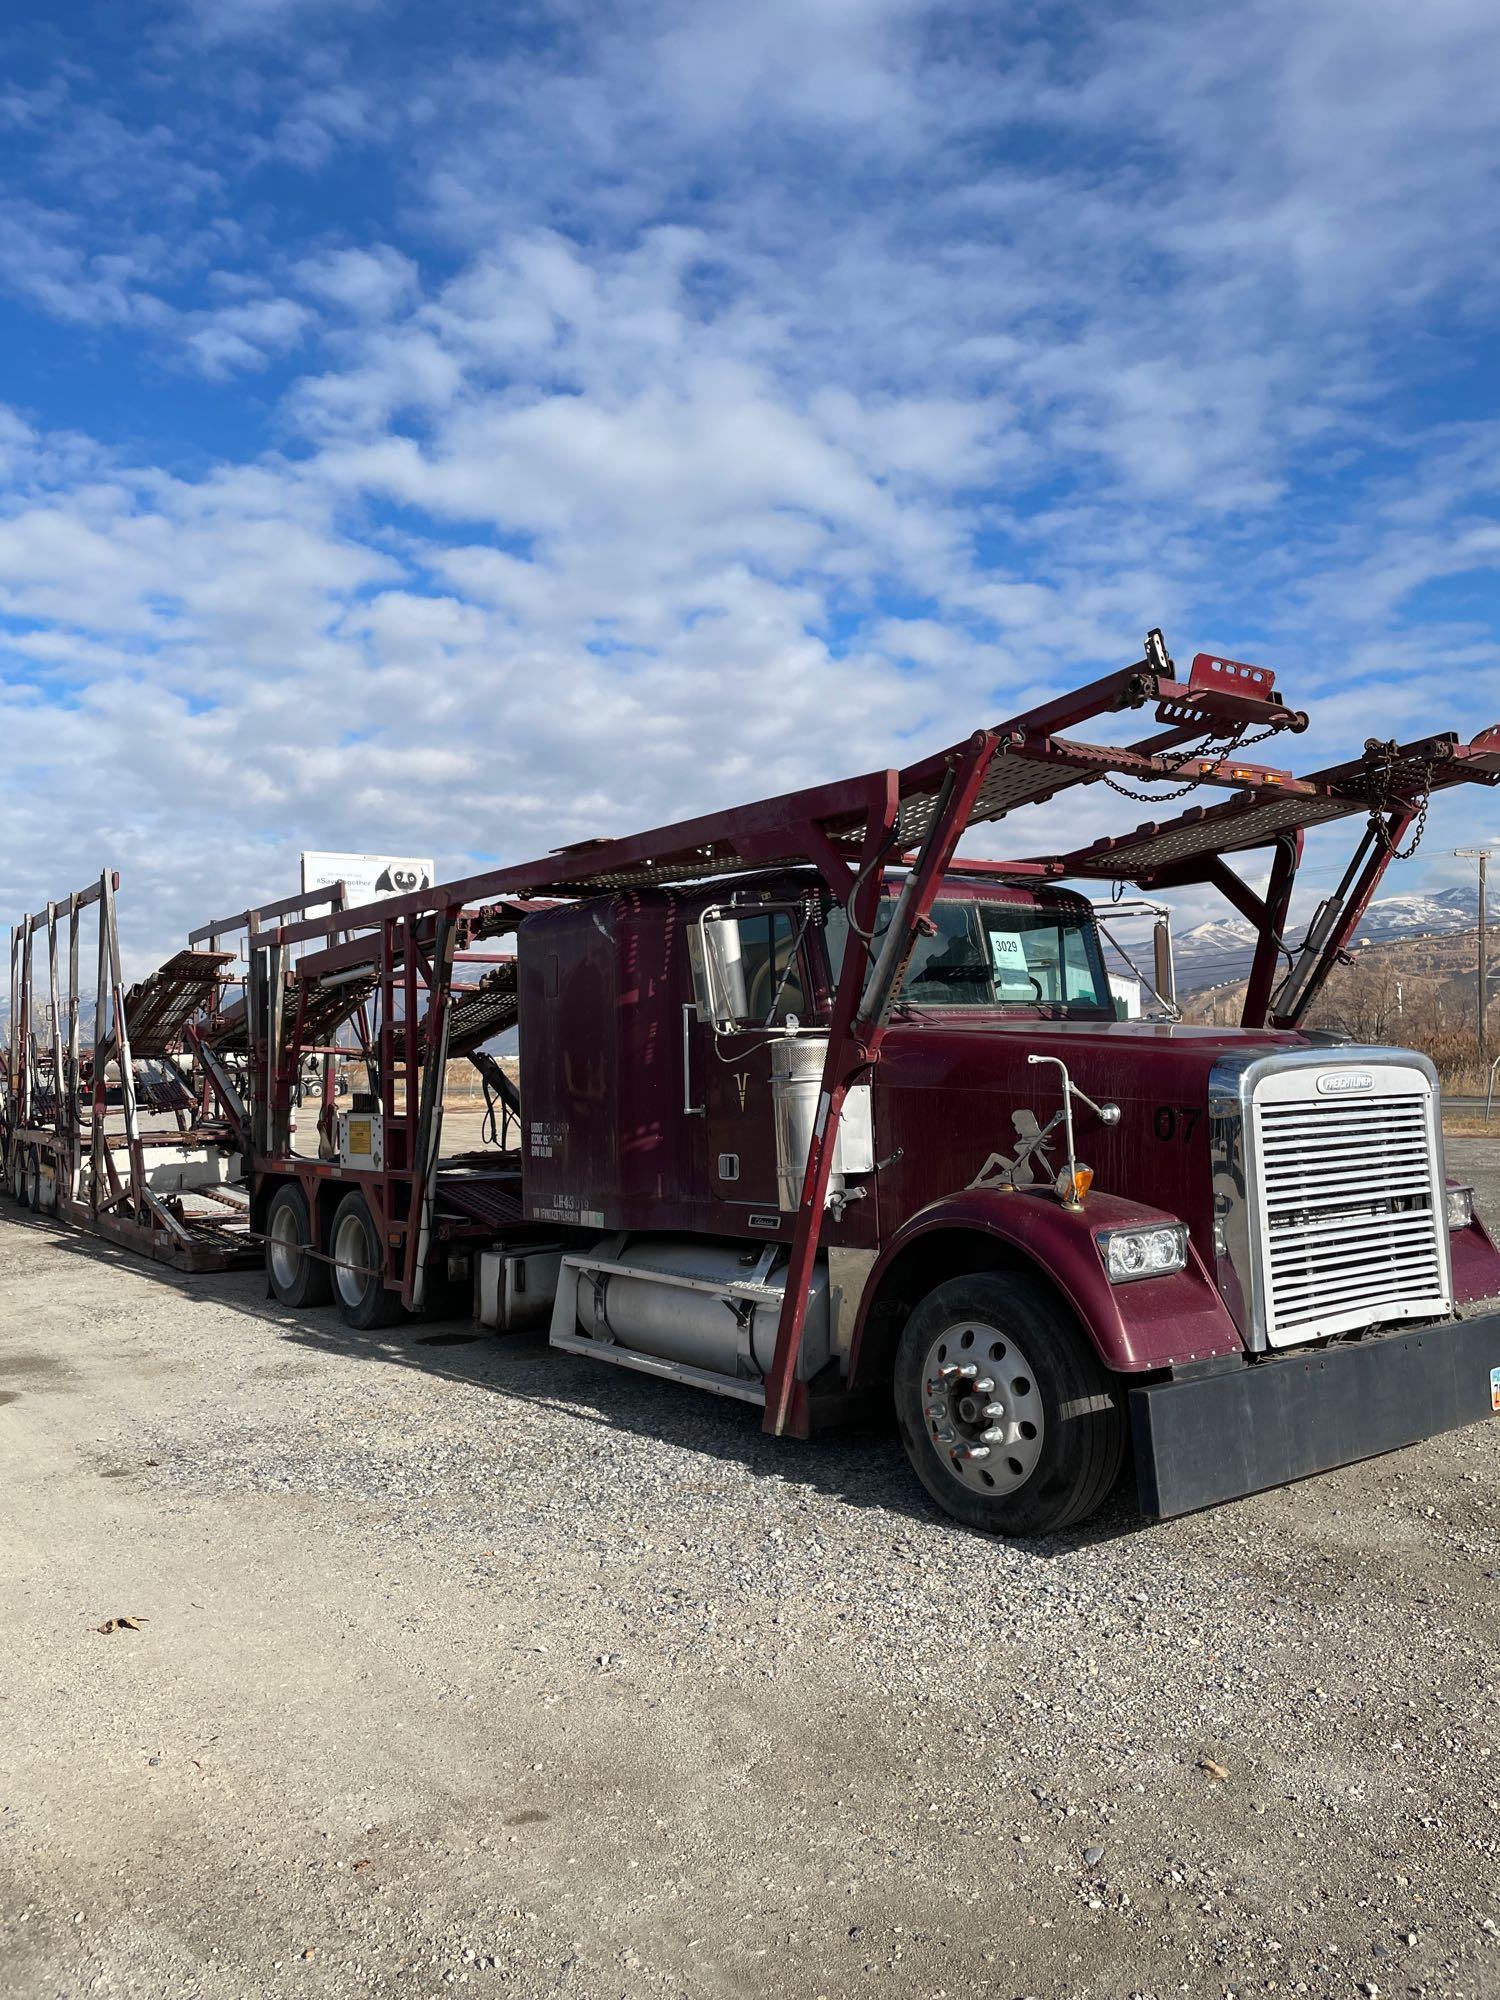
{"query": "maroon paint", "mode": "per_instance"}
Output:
(1474, 1263)
(1146, 1325)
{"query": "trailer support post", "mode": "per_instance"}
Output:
(1351, 899)
(861, 1011)
(99, 1160)
(1272, 926)
(429, 1130)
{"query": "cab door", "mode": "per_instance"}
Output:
(760, 983)
(741, 1126)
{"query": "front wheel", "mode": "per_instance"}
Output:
(363, 1300)
(1008, 1417)
(20, 1177)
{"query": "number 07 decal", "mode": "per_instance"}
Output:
(1175, 1121)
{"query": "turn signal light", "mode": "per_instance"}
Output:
(1072, 1187)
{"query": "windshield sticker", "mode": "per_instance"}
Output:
(1007, 954)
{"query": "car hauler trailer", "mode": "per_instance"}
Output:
(814, 1112)
(111, 1135)
(119, 1131)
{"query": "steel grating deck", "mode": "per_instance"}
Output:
(160, 1006)
(1204, 830)
(484, 1010)
(491, 1199)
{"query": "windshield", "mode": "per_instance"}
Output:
(996, 955)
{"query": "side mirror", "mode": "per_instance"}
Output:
(725, 998)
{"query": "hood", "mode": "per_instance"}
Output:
(1128, 1061)
(955, 1102)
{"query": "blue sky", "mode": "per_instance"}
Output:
(463, 430)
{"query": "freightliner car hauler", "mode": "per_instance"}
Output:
(817, 1114)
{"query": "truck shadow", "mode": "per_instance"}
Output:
(861, 1466)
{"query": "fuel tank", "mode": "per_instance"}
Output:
(703, 1305)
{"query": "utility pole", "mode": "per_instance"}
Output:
(1482, 856)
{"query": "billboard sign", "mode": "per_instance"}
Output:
(367, 877)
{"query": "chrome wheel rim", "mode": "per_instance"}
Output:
(982, 1408)
(286, 1251)
(350, 1251)
(34, 1180)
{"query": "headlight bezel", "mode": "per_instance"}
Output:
(1143, 1250)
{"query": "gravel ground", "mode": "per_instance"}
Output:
(465, 1664)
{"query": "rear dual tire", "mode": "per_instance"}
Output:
(363, 1300)
(1009, 1419)
(25, 1182)
(352, 1281)
(298, 1280)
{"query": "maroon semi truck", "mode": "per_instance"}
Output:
(815, 1113)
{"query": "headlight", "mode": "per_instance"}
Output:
(1144, 1253)
(1460, 1207)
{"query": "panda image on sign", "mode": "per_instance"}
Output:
(401, 878)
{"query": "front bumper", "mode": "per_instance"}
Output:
(1204, 1438)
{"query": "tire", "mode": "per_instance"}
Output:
(34, 1179)
(19, 1177)
(1041, 1446)
(362, 1299)
(298, 1281)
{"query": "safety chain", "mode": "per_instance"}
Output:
(1234, 742)
(1382, 778)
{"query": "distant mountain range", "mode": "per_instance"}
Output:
(1220, 950)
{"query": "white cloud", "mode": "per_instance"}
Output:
(214, 21)
(42, 262)
(320, 122)
(246, 336)
(838, 62)
(368, 284)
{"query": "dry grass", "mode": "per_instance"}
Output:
(1471, 1125)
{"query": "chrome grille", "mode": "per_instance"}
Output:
(1351, 1212)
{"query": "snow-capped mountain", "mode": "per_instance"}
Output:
(1219, 950)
